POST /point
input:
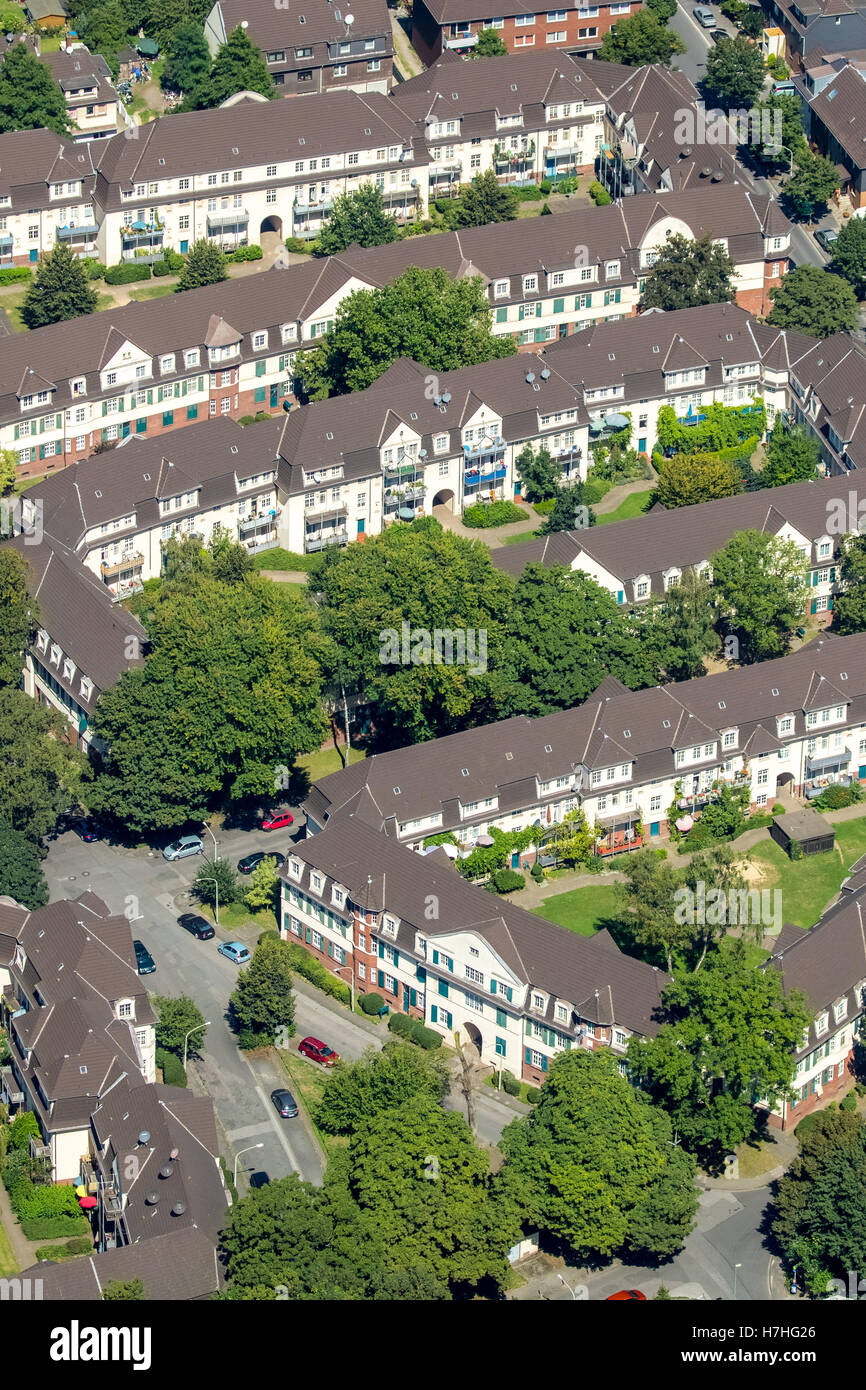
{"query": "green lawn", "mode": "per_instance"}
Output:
(326, 760)
(149, 292)
(634, 505)
(516, 540)
(8, 1263)
(279, 559)
(809, 885)
(584, 910)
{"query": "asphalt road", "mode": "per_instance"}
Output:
(694, 61)
(150, 891)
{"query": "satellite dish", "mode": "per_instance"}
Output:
(152, 1198)
(422, 453)
(530, 377)
(446, 396)
(350, 20)
(167, 1171)
(144, 1136)
(545, 374)
(178, 1209)
(245, 24)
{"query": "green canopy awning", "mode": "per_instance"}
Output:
(148, 48)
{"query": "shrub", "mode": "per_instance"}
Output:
(425, 1037)
(796, 850)
(299, 246)
(599, 195)
(173, 1073)
(533, 1094)
(55, 1227)
(594, 489)
(533, 193)
(401, 1024)
(249, 1040)
(10, 274)
(849, 1101)
(306, 964)
(23, 1126)
(161, 268)
(510, 1084)
(507, 880)
(545, 185)
(44, 1201)
(264, 935)
(94, 270)
(371, 1003)
(809, 1122)
(82, 1245)
(835, 797)
(492, 514)
(126, 272)
(778, 808)
(544, 508)
(246, 253)
(537, 873)
(759, 822)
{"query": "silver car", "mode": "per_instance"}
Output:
(184, 847)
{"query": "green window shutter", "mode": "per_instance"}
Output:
(617, 296)
(420, 972)
(42, 451)
(559, 306)
(140, 426)
(381, 948)
(396, 959)
(380, 976)
(501, 1019)
(121, 403)
(58, 421)
(201, 383)
(493, 986)
(261, 368)
(501, 315)
(538, 309)
(331, 949)
(434, 1013)
(443, 988)
(814, 579)
(527, 1056)
(832, 574)
(830, 605)
(150, 397)
(105, 407)
(813, 606)
(448, 1020)
(308, 934)
(260, 395)
(17, 431)
(413, 998)
(540, 335)
(508, 993)
(192, 412)
(544, 1064)
(435, 957)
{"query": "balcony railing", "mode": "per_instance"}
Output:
(828, 762)
(132, 561)
(236, 221)
(313, 207)
(9, 1091)
(460, 40)
(318, 540)
(816, 786)
(87, 229)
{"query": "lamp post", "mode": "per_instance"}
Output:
(216, 911)
(237, 1156)
(736, 1267)
(186, 1039)
(568, 1286)
(206, 827)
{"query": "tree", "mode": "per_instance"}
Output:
(713, 872)
(538, 473)
(42, 772)
(423, 314)
(358, 218)
(814, 301)
(781, 113)
(727, 815)
(61, 289)
(489, 45)
(482, 201)
(792, 455)
(179, 1021)
(124, 1291)
(849, 606)
(230, 562)
(808, 191)
(662, 9)
(264, 887)
(820, 1204)
(104, 29)
(735, 73)
(17, 615)
(12, 19)
(173, 750)
(8, 470)
(849, 255)
(687, 479)
(762, 587)
(401, 587)
(730, 1040)
(358, 1091)
(21, 875)
(263, 1003)
(215, 878)
(647, 909)
(237, 67)
(205, 265)
(594, 1165)
(165, 17)
(564, 634)
(682, 626)
(24, 1127)
(188, 63)
(572, 840)
(638, 40)
(570, 511)
(30, 99)
(688, 274)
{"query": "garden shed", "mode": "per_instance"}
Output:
(806, 829)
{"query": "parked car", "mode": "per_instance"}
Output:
(716, 35)
(184, 847)
(252, 861)
(197, 926)
(286, 1104)
(318, 1051)
(87, 828)
(236, 951)
(276, 820)
(826, 239)
(144, 961)
(784, 88)
(704, 16)
(626, 1294)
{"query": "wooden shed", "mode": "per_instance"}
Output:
(806, 828)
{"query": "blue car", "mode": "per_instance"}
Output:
(236, 951)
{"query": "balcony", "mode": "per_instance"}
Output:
(827, 762)
(9, 1092)
(318, 540)
(816, 786)
(313, 207)
(112, 568)
(228, 223)
(467, 40)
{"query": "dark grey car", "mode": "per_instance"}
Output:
(286, 1104)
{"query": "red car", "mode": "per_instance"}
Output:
(276, 820)
(318, 1052)
(626, 1294)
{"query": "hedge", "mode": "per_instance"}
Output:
(304, 963)
(245, 253)
(173, 1073)
(413, 1029)
(371, 1003)
(267, 935)
(94, 270)
(44, 1201)
(510, 1084)
(484, 515)
(55, 1227)
(299, 246)
(11, 273)
(83, 1245)
(507, 880)
(126, 272)
(533, 1094)
(599, 195)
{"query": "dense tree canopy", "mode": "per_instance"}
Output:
(735, 73)
(423, 314)
(820, 1204)
(205, 265)
(686, 479)
(640, 39)
(682, 627)
(358, 1091)
(188, 62)
(813, 301)
(689, 273)
(179, 1020)
(809, 189)
(60, 290)
(263, 1002)
(849, 606)
(30, 99)
(357, 218)
(237, 67)
(42, 772)
(21, 875)
(18, 613)
(489, 45)
(792, 455)
(594, 1165)
(849, 255)
(483, 200)
(762, 588)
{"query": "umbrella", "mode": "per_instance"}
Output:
(485, 840)
(81, 1190)
(685, 823)
(451, 850)
(87, 1203)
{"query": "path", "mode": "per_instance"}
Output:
(286, 577)
(410, 64)
(492, 537)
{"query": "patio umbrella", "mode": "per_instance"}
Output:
(685, 823)
(87, 1203)
(81, 1190)
(486, 841)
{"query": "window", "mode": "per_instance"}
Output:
(374, 66)
(475, 975)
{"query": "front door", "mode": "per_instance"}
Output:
(405, 999)
(275, 397)
(184, 247)
(34, 257)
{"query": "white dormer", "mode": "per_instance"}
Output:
(784, 725)
(730, 739)
(821, 1023)
(389, 925)
(672, 578)
(538, 1000)
(338, 896)
(833, 714)
(125, 1008)
(698, 753)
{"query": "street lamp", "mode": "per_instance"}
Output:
(237, 1156)
(216, 911)
(351, 988)
(568, 1286)
(186, 1039)
(736, 1267)
(206, 827)
(773, 150)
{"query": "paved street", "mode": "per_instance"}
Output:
(694, 61)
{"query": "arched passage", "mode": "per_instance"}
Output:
(445, 499)
(271, 235)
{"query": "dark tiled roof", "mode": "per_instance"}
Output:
(841, 108)
(176, 1267)
(827, 963)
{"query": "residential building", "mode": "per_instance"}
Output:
(47, 14)
(85, 80)
(180, 1266)
(239, 172)
(834, 108)
(432, 945)
(78, 1017)
(229, 349)
(814, 27)
(84, 640)
(442, 24)
(317, 46)
(46, 196)
(828, 966)
(628, 759)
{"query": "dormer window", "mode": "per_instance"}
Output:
(68, 669)
(316, 882)
(78, 386)
(611, 270)
(821, 1023)
(86, 689)
(831, 715)
(295, 868)
(124, 1009)
(166, 364)
(840, 1009)
(501, 288)
(538, 1001)
(730, 738)
(191, 357)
